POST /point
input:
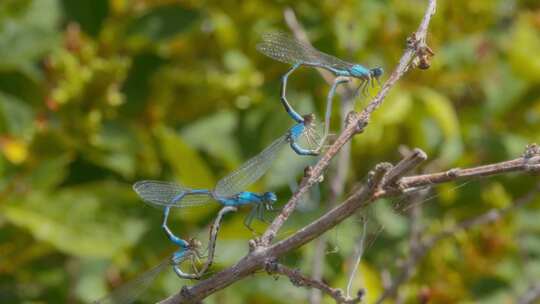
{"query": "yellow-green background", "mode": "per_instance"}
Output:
(175, 90)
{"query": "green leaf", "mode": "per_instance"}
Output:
(513, 143)
(188, 167)
(440, 108)
(394, 224)
(524, 48)
(116, 148)
(162, 22)
(503, 89)
(89, 14)
(395, 108)
(28, 35)
(16, 117)
(136, 87)
(73, 221)
(215, 135)
(495, 195)
(42, 177)
(91, 280)
(17, 83)
(528, 219)
(488, 287)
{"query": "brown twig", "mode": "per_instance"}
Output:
(409, 162)
(356, 124)
(341, 168)
(257, 258)
(298, 279)
(516, 165)
(261, 253)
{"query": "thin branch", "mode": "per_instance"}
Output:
(356, 124)
(366, 194)
(516, 165)
(408, 268)
(258, 256)
(341, 168)
(298, 279)
(408, 163)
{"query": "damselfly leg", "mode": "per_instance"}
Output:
(294, 115)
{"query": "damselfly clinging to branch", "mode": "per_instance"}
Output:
(285, 48)
(132, 290)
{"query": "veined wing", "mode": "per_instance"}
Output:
(133, 289)
(161, 194)
(250, 171)
(283, 47)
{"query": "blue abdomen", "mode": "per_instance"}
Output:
(296, 131)
(242, 198)
(359, 71)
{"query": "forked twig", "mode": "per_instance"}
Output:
(298, 279)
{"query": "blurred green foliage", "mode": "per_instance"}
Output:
(95, 95)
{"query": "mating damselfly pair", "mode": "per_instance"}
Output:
(230, 191)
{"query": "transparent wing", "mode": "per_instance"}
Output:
(160, 194)
(283, 47)
(312, 138)
(133, 289)
(250, 171)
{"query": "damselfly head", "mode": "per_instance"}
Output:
(269, 197)
(376, 72)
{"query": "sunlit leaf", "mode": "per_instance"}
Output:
(28, 35)
(15, 150)
(496, 196)
(524, 48)
(91, 281)
(188, 166)
(215, 135)
(395, 108)
(441, 109)
(394, 224)
(85, 232)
